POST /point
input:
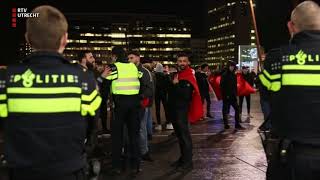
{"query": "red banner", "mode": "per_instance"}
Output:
(243, 87)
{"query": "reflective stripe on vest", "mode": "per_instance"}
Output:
(127, 82)
(301, 79)
(3, 110)
(44, 105)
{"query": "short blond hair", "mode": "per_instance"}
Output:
(45, 32)
(306, 16)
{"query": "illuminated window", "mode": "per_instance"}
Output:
(87, 34)
(118, 35)
(252, 37)
(100, 42)
(252, 31)
(118, 42)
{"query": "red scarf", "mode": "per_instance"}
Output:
(195, 110)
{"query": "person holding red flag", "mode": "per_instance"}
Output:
(186, 104)
(228, 86)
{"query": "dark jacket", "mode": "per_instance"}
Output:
(203, 84)
(146, 86)
(228, 85)
(45, 136)
(180, 95)
(162, 83)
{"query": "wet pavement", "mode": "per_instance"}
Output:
(218, 154)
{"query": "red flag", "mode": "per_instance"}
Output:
(243, 87)
(215, 83)
(195, 109)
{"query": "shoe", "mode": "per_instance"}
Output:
(185, 168)
(226, 126)
(169, 126)
(176, 164)
(147, 157)
(158, 127)
(135, 172)
(105, 131)
(239, 127)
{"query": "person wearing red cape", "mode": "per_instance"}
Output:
(186, 106)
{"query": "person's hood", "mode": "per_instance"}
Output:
(159, 68)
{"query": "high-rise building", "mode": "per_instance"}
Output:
(199, 50)
(157, 37)
(230, 25)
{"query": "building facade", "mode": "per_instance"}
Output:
(157, 37)
(199, 50)
(230, 25)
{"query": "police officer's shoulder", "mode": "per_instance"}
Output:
(275, 51)
(274, 54)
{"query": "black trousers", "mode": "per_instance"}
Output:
(227, 102)
(161, 97)
(248, 100)
(126, 113)
(302, 164)
(17, 175)
(208, 100)
(181, 127)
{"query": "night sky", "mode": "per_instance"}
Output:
(194, 10)
(272, 16)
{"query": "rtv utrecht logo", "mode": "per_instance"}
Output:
(21, 13)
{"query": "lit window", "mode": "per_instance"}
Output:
(252, 37)
(87, 34)
(117, 35)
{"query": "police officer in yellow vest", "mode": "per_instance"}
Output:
(292, 74)
(125, 88)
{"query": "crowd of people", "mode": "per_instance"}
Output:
(52, 104)
(157, 88)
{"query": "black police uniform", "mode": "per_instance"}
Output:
(292, 73)
(180, 97)
(47, 100)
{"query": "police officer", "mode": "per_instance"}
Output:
(292, 74)
(45, 101)
(125, 88)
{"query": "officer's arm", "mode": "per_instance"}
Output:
(270, 77)
(3, 95)
(90, 98)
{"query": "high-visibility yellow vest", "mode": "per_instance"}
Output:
(126, 80)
